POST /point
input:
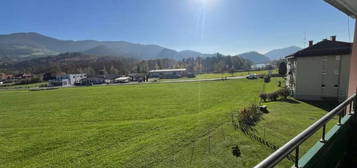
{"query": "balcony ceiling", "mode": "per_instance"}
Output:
(347, 6)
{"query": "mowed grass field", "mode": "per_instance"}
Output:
(220, 75)
(147, 125)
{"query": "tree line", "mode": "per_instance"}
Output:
(101, 65)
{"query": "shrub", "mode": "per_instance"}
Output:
(267, 79)
(27, 81)
(236, 151)
(249, 116)
(273, 96)
(43, 85)
(263, 96)
(284, 93)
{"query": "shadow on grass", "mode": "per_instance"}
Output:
(292, 101)
(327, 105)
(250, 133)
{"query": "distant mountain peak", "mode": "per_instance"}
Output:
(28, 44)
(255, 57)
(282, 52)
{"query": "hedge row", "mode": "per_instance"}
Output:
(274, 96)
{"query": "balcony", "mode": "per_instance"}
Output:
(336, 147)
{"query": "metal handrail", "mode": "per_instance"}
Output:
(294, 143)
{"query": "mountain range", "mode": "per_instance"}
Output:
(280, 53)
(22, 46)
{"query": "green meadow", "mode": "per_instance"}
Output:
(144, 125)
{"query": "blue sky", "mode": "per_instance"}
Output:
(226, 26)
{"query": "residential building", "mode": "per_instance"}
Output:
(320, 71)
(4, 76)
(67, 80)
(23, 76)
(337, 146)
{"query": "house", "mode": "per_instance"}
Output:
(168, 73)
(67, 80)
(23, 76)
(320, 71)
(5, 77)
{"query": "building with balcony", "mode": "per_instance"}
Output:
(337, 146)
(320, 71)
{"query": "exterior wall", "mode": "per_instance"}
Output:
(291, 77)
(353, 67)
(321, 77)
(75, 78)
(167, 74)
(308, 78)
(68, 80)
(345, 76)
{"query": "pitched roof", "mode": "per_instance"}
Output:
(324, 48)
(168, 70)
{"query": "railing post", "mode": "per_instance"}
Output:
(355, 103)
(323, 140)
(294, 144)
(339, 118)
(297, 157)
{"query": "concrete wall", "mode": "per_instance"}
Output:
(353, 67)
(345, 76)
(322, 77)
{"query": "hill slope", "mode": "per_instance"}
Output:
(281, 53)
(20, 45)
(255, 57)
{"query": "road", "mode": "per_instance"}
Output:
(135, 83)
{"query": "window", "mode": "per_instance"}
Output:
(338, 58)
(336, 72)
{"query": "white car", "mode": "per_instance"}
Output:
(123, 79)
(252, 76)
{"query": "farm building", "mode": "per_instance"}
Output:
(320, 71)
(168, 73)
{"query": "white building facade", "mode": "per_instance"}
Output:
(67, 80)
(321, 71)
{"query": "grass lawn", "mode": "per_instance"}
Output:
(148, 125)
(220, 75)
(23, 86)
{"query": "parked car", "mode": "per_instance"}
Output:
(252, 76)
(123, 79)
